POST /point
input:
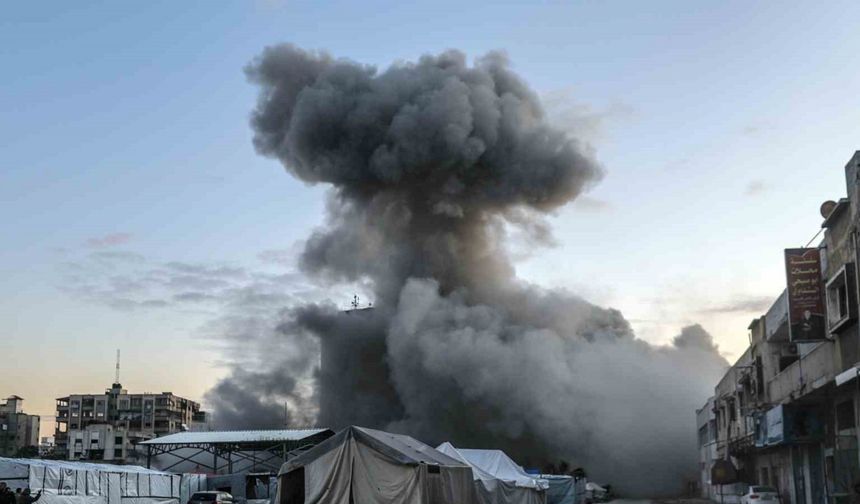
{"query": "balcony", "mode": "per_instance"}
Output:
(810, 372)
(741, 446)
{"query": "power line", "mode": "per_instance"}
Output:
(814, 237)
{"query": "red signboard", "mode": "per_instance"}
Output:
(806, 315)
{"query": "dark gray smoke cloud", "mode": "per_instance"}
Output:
(430, 163)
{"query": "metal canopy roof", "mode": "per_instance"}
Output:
(240, 451)
(240, 437)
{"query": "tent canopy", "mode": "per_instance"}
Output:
(370, 466)
(400, 448)
(563, 489)
(497, 478)
(494, 464)
(82, 466)
(68, 482)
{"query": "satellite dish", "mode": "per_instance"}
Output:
(827, 208)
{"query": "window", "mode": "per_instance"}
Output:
(117, 440)
(117, 452)
(841, 305)
(845, 415)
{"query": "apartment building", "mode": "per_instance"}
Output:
(19, 432)
(707, 426)
(108, 426)
(786, 411)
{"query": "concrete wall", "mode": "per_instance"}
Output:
(812, 371)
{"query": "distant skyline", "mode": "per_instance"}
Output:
(138, 216)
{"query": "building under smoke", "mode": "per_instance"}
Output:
(429, 164)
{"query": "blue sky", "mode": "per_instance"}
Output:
(721, 126)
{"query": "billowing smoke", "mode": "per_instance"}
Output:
(431, 164)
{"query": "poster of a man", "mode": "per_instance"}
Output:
(805, 291)
(811, 326)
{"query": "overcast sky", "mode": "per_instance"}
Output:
(136, 214)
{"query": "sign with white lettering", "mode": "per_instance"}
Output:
(806, 315)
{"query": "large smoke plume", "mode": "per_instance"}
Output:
(430, 165)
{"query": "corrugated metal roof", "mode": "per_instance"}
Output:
(249, 436)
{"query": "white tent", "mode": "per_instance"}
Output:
(366, 466)
(498, 479)
(67, 482)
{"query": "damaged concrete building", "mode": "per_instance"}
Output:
(785, 414)
(19, 431)
(107, 427)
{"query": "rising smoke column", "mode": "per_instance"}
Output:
(429, 164)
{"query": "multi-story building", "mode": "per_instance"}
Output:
(46, 447)
(785, 413)
(19, 432)
(108, 426)
(707, 423)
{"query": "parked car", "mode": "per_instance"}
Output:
(760, 495)
(212, 497)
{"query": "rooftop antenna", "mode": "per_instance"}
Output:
(116, 378)
(354, 302)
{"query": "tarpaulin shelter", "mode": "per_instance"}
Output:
(191, 483)
(563, 489)
(67, 482)
(359, 465)
(497, 478)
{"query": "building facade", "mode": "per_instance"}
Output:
(707, 426)
(786, 411)
(108, 426)
(19, 432)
